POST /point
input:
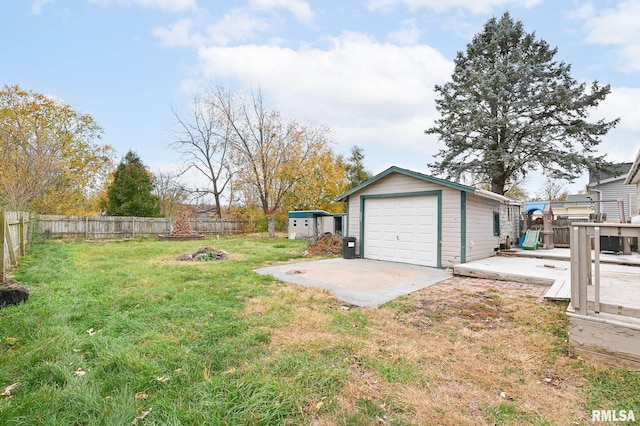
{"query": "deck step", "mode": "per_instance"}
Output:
(560, 290)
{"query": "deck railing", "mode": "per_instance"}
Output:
(584, 236)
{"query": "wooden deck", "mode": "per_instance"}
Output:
(615, 272)
(606, 338)
(603, 291)
(560, 290)
(604, 312)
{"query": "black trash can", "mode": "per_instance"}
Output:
(349, 247)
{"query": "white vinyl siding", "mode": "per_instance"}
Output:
(481, 240)
(459, 242)
(396, 183)
(615, 190)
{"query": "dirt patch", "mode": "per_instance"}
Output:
(464, 351)
(326, 244)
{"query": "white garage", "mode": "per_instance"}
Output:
(402, 229)
(404, 216)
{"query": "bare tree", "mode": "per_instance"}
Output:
(170, 191)
(205, 142)
(271, 156)
(553, 190)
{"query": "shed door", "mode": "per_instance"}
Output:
(402, 229)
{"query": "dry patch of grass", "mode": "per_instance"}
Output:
(465, 351)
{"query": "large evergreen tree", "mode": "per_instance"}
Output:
(511, 108)
(130, 193)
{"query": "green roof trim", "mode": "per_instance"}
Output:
(311, 213)
(417, 175)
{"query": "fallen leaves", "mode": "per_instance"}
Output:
(80, 372)
(7, 390)
(141, 416)
(229, 371)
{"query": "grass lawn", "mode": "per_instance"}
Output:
(119, 333)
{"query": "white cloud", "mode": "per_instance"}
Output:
(369, 93)
(236, 25)
(178, 35)
(37, 5)
(474, 6)
(584, 11)
(621, 143)
(300, 9)
(618, 27)
(165, 5)
(408, 34)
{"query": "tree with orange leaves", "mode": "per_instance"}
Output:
(50, 162)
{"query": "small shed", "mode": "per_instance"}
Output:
(406, 216)
(312, 223)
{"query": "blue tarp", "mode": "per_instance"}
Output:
(535, 205)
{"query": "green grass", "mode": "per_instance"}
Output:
(509, 414)
(120, 330)
(108, 320)
(609, 390)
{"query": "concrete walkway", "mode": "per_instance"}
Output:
(366, 282)
(360, 282)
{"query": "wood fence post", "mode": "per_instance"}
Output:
(13, 260)
(272, 227)
(3, 253)
(22, 235)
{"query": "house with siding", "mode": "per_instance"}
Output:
(633, 179)
(576, 206)
(607, 189)
(405, 216)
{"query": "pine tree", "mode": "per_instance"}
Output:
(511, 108)
(130, 193)
(356, 172)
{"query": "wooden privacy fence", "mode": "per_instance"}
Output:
(16, 234)
(561, 231)
(107, 227)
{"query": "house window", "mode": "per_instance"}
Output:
(295, 223)
(306, 223)
(496, 224)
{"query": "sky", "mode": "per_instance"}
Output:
(365, 68)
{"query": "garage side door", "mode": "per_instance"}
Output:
(402, 229)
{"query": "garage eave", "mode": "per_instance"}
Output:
(417, 175)
(496, 197)
(634, 173)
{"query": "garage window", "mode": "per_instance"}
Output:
(496, 224)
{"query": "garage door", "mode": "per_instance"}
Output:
(402, 229)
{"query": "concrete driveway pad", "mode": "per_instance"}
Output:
(360, 282)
